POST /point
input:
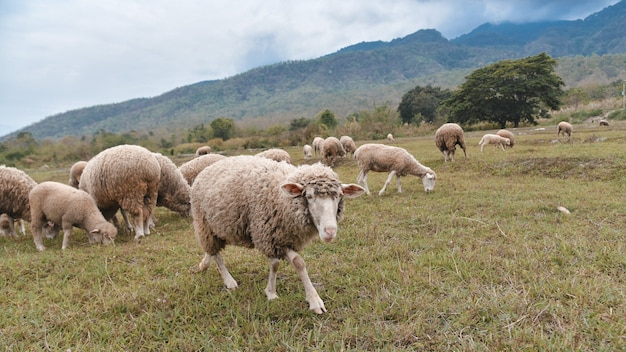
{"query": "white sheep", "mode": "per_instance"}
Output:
(67, 206)
(15, 185)
(395, 160)
(276, 154)
(274, 207)
(318, 145)
(564, 127)
(348, 145)
(75, 172)
(390, 138)
(173, 187)
(332, 148)
(127, 177)
(307, 150)
(495, 140)
(507, 134)
(205, 149)
(7, 226)
(446, 139)
(192, 168)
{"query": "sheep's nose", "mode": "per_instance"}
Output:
(330, 231)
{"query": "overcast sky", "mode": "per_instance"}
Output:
(62, 55)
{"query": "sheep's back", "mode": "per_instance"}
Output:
(15, 185)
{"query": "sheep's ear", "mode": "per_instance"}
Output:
(292, 189)
(352, 190)
(95, 231)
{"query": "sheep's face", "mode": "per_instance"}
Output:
(105, 234)
(429, 182)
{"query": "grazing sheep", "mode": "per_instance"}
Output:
(127, 177)
(67, 206)
(332, 148)
(390, 138)
(173, 187)
(15, 185)
(75, 172)
(7, 226)
(397, 161)
(276, 154)
(203, 150)
(495, 140)
(348, 144)
(446, 139)
(507, 134)
(564, 127)
(308, 152)
(192, 168)
(603, 122)
(274, 207)
(318, 145)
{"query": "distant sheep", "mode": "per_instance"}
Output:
(274, 207)
(332, 148)
(15, 185)
(390, 138)
(603, 122)
(192, 168)
(276, 154)
(307, 150)
(348, 145)
(67, 206)
(507, 134)
(75, 172)
(397, 161)
(203, 150)
(495, 140)
(446, 139)
(564, 127)
(318, 145)
(127, 177)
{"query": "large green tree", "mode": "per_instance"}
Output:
(223, 128)
(508, 91)
(420, 104)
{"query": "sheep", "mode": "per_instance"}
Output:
(192, 168)
(173, 190)
(395, 160)
(67, 206)
(308, 152)
(493, 139)
(390, 138)
(507, 134)
(75, 172)
(332, 148)
(348, 144)
(275, 154)
(203, 150)
(274, 207)
(446, 139)
(603, 122)
(127, 177)
(15, 185)
(318, 145)
(565, 128)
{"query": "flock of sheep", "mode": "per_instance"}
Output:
(260, 201)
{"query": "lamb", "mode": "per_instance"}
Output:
(275, 154)
(15, 185)
(75, 172)
(507, 134)
(203, 150)
(192, 168)
(565, 128)
(390, 138)
(348, 144)
(332, 148)
(308, 152)
(318, 145)
(127, 177)
(446, 139)
(395, 160)
(67, 206)
(7, 226)
(495, 140)
(274, 207)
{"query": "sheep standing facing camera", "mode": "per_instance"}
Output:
(348, 144)
(307, 150)
(332, 148)
(272, 206)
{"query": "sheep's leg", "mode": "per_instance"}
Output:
(129, 227)
(67, 231)
(270, 290)
(399, 184)
(37, 227)
(138, 217)
(315, 302)
(21, 224)
(391, 174)
(229, 282)
(482, 145)
(362, 179)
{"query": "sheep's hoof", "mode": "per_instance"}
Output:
(317, 307)
(41, 248)
(270, 295)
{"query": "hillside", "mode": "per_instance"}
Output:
(353, 78)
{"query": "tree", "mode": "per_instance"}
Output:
(508, 91)
(223, 128)
(420, 104)
(328, 119)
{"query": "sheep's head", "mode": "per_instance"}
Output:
(428, 181)
(105, 234)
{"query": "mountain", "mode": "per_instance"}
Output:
(351, 79)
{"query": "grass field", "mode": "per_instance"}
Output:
(486, 262)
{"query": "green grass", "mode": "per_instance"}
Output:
(486, 262)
